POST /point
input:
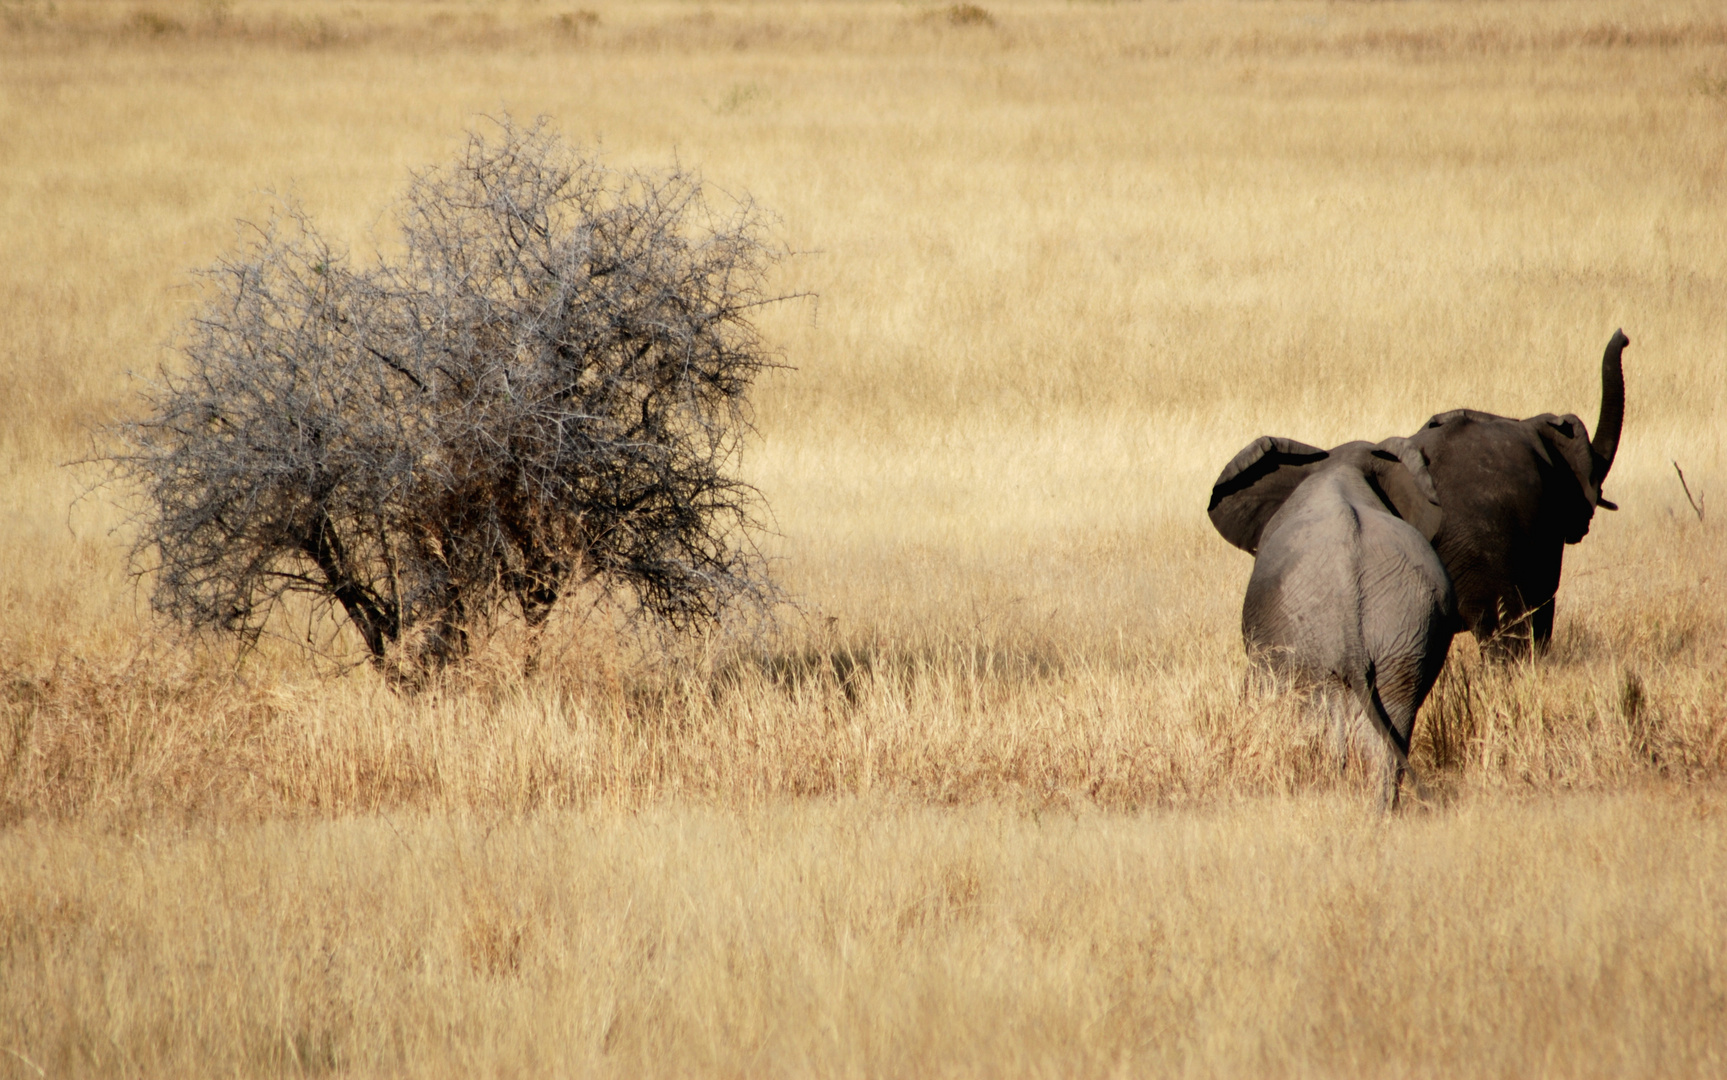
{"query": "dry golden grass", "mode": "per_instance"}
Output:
(990, 802)
(860, 937)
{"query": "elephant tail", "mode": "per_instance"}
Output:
(1365, 684)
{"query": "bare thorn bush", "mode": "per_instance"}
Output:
(549, 387)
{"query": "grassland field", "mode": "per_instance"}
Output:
(988, 799)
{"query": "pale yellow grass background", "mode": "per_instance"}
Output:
(989, 802)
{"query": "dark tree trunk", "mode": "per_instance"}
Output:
(323, 546)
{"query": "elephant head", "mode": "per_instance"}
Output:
(1516, 492)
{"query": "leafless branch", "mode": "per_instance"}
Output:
(1697, 503)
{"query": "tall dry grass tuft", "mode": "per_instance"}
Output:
(948, 721)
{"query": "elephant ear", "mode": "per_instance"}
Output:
(1398, 473)
(1255, 484)
(1566, 442)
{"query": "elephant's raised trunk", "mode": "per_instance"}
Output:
(1606, 442)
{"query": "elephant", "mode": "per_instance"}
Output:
(1348, 600)
(1515, 493)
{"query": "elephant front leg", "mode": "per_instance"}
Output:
(1513, 633)
(1541, 625)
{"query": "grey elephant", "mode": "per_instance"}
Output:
(1348, 599)
(1515, 493)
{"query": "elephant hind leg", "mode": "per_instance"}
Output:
(1393, 743)
(1393, 765)
(1333, 710)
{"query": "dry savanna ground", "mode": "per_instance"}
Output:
(988, 800)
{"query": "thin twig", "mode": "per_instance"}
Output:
(1697, 503)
